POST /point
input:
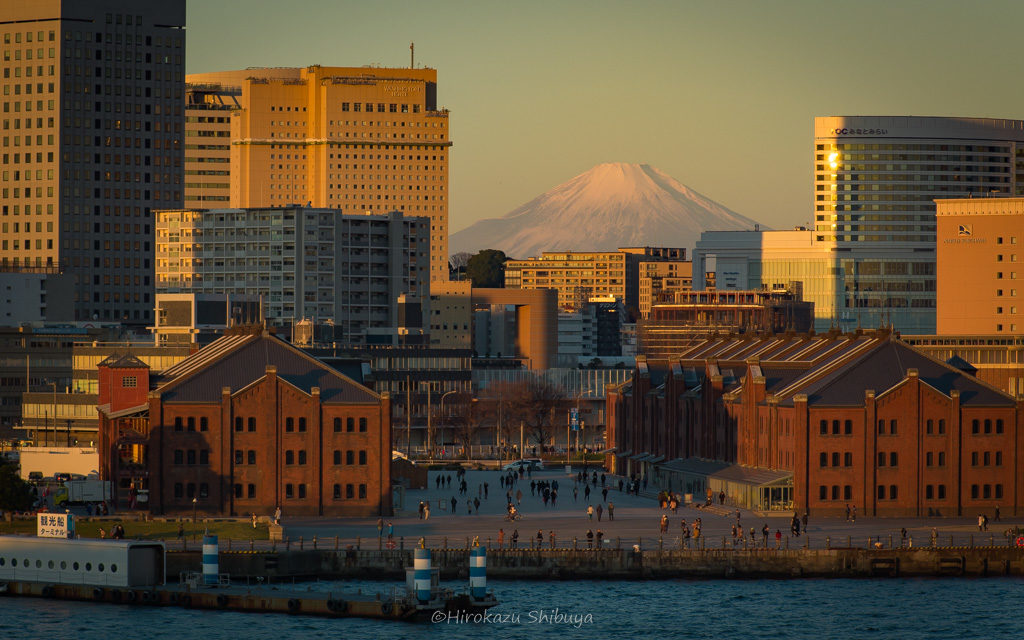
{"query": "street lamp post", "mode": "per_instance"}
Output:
(194, 507)
(443, 396)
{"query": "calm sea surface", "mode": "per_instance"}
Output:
(752, 610)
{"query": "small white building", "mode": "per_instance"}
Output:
(113, 563)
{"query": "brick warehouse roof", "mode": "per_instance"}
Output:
(238, 361)
(833, 369)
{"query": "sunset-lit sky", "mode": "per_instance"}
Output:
(720, 95)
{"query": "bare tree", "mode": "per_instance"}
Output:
(465, 422)
(538, 404)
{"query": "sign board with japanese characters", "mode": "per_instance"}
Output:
(55, 525)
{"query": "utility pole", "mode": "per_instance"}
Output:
(521, 454)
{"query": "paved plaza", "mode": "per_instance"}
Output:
(635, 517)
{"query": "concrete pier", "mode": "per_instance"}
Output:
(623, 564)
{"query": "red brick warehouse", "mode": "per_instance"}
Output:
(246, 424)
(860, 419)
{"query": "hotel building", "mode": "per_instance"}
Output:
(92, 143)
(355, 139)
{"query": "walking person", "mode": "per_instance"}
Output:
(778, 539)
(590, 511)
(540, 538)
(501, 537)
(551, 538)
(515, 539)
(426, 511)
(600, 510)
(590, 539)
(519, 497)
(611, 510)
(853, 514)
(586, 492)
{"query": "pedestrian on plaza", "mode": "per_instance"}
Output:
(590, 539)
(847, 511)
(533, 487)
(764, 533)
(476, 506)
(277, 515)
(469, 507)
(519, 497)
(420, 514)
(981, 521)
(426, 511)
(437, 482)
(515, 539)
(544, 497)
(600, 511)
(611, 510)
(996, 516)
(903, 536)
(253, 515)
(853, 514)
(455, 503)
(778, 538)
(551, 538)
(501, 537)
(501, 481)
(664, 523)
(753, 537)
(391, 530)
(586, 492)
(590, 511)
(485, 490)
(600, 538)
(984, 522)
(575, 493)
(721, 497)
(805, 521)
(540, 538)
(554, 497)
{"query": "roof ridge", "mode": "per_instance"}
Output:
(814, 374)
(922, 353)
(206, 359)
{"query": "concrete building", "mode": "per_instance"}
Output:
(579, 276)
(814, 423)
(691, 316)
(37, 358)
(980, 249)
(35, 295)
(92, 143)
(246, 424)
(850, 288)
(658, 281)
(533, 316)
(451, 315)
(594, 331)
(334, 269)
(356, 139)
(65, 414)
(576, 276)
(201, 318)
(875, 182)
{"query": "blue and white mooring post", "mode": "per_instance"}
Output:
(421, 574)
(478, 573)
(211, 563)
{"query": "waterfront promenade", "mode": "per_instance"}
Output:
(636, 521)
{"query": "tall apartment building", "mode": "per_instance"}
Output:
(577, 276)
(92, 142)
(355, 139)
(306, 263)
(657, 281)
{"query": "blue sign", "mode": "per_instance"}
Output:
(574, 419)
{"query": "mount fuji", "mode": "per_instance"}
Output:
(610, 206)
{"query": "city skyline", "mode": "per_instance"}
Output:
(559, 77)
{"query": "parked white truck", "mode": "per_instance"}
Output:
(83, 492)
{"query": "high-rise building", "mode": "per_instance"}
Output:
(92, 143)
(345, 271)
(356, 139)
(875, 182)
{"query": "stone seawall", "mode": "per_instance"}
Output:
(620, 564)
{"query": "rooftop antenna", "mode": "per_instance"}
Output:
(412, 55)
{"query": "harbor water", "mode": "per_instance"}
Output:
(755, 609)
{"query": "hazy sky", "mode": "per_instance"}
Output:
(720, 95)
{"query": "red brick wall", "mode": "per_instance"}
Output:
(271, 403)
